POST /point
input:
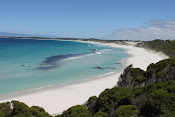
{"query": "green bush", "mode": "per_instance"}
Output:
(167, 47)
(91, 99)
(101, 114)
(2, 114)
(159, 74)
(20, 109)
(128, 111)
(76, 111)
(159, 66)
(162, 103)
(140, 79)
(38, 112)
(137, 72)
(113, 98)
(5, 109)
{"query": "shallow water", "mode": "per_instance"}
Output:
(28, 64)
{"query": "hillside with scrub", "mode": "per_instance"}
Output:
(165, 46)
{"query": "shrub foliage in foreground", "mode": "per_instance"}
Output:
(149, 101)
(161, 71)
(76, 111)
(19, 109)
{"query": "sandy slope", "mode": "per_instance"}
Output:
(59, 99)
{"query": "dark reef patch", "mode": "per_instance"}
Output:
(54, 62)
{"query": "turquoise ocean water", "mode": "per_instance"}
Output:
(29, 64)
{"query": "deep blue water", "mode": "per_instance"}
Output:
(28, 64)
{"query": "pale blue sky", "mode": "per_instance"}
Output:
(81, 18)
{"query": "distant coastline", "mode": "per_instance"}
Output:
(74, 39)
(154, 46)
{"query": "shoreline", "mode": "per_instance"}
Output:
(54, 87)
(136, 53)
(56, 100)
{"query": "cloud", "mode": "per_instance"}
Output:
(158, 29)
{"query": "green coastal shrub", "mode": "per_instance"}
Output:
(1, 114)
(128, 111)
(20, 109)
(140, 79)
(159, 66)
(167, 47)
(5, 109)
(137, 72)
(76, 111)
(159, 74)
(114, 98)
(101, 114)
(38, 112)
(162, 103)
(91, 99)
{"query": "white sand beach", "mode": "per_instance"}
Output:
(59, 99)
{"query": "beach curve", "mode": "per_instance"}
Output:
(55, 101)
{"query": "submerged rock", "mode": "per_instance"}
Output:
(99, 68)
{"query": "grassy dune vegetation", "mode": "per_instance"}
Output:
(165, 46)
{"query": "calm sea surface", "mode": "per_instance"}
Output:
(29, 64)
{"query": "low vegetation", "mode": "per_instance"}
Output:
(149, 101)
(161, 71)
(19, 109)
(165, 46)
